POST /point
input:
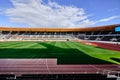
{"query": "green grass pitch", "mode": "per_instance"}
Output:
(65, 52)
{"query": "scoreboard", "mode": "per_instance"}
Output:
(117, 29)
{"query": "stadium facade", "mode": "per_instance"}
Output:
(100, 33)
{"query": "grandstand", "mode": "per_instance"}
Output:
(60, 53)
(102, 33)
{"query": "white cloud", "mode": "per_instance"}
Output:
(36, 13)
(108, 19)
(113, 9)
(103, 20)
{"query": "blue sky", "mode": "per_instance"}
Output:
(59, 13)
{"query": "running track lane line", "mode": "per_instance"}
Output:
(46, 63)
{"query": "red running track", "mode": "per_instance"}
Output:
(49, 66)
(110, 46)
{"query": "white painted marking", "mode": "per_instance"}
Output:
(47, 66)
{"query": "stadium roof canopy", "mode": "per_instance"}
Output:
(97, 28)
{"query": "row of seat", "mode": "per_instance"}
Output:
(55, 77)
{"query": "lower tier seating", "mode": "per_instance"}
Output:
(56, 77)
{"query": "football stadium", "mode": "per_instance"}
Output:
(60, 53)
(59, 39)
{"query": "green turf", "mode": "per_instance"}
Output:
(65, 52)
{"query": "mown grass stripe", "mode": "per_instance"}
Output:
(66, 52)
(17, 45)
(98, 52)
(4, 44)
